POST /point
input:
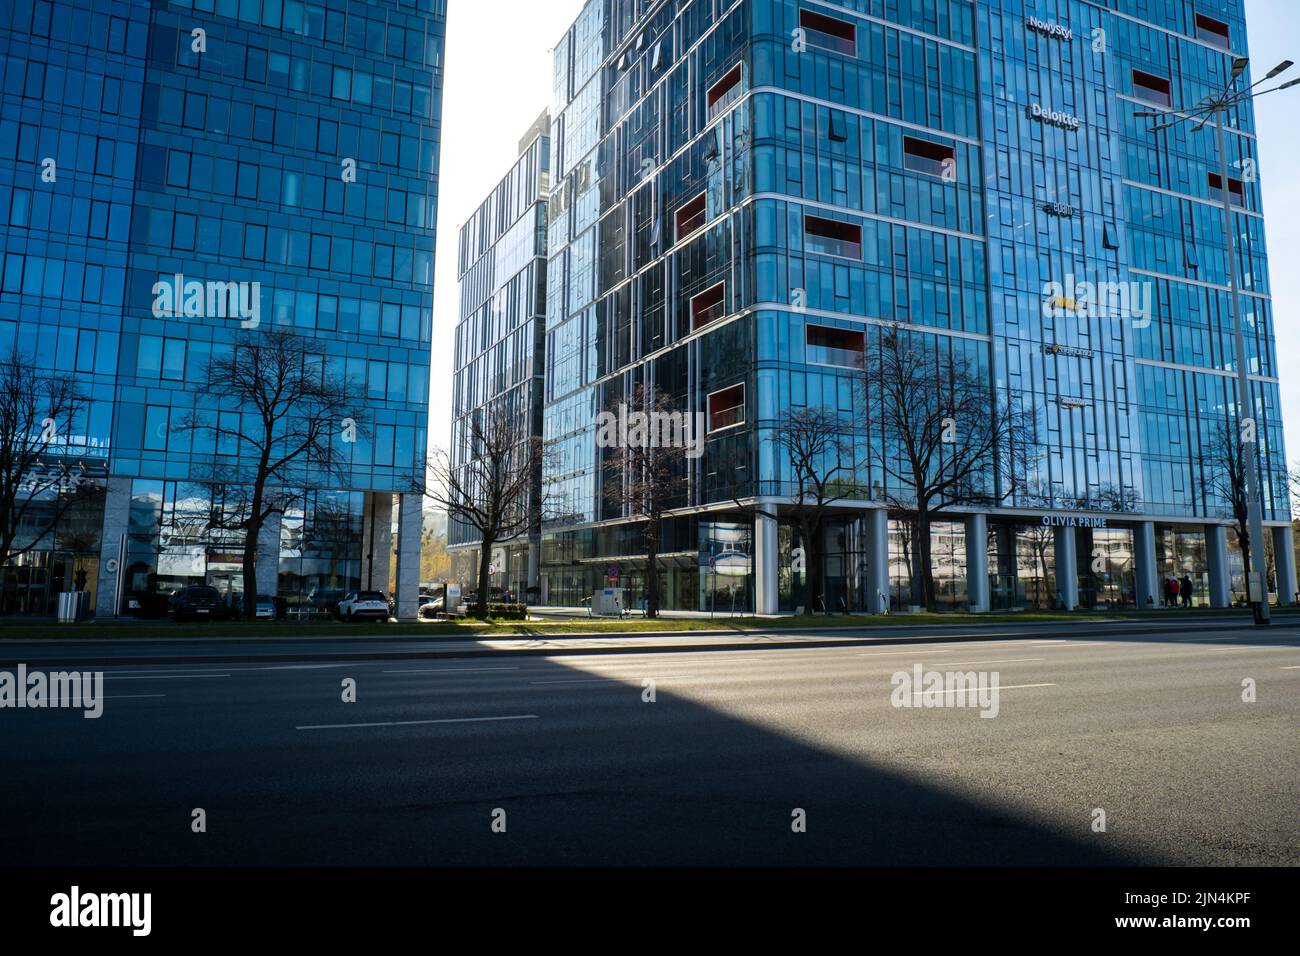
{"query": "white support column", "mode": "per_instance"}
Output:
(410, 528)
(376, 541)
(877, 547)
(767, 556)
(1284, 559)
(112, 572)
(1216, 554)
(268, 559)
(977, 563)
(1146, 574)
(1067, 568)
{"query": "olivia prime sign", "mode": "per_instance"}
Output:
(1074, 521)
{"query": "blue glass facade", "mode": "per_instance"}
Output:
(288, 144)
(746, 193)
(500, 336)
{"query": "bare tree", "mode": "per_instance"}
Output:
(948, 440)
(1041, 540)
(1225, 460)
(496, 491)
(1293, 488)
(646, 474)
(280, 413)
(822, 472)
(37, 412)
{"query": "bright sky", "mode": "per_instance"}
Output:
(499, 79)
(1274, 37)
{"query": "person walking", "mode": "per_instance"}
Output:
(1174, 588)
(1186, 590)
(1168, 592)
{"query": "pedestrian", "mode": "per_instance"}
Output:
(1174, 587)
(1186, 590)
(1168, 595)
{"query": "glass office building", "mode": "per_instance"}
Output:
(287, 147)
(499, 342)
(747, 195)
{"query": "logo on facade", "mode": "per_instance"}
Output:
(1074, 521)
(1047, 28)
(644, 430)
(1064, 210)
(1101, 300)
(192, 299)
(1053, 117)
(1056, 349)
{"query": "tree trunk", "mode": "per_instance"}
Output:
(652, 579)
(812, 551)
(1243, 538)
(927, 566)
(484, 577)
(918, 565)
(252, 537)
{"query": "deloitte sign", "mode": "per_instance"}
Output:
(1052, 117)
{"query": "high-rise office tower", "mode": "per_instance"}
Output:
(281, 152)
(752, 200)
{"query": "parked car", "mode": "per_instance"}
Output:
(430, 606)
(365, 606)
(197, 603)
(265, 607)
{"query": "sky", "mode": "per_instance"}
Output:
(497, 82)
(498, 79)
(1274, 37)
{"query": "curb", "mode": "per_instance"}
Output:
(784, 643)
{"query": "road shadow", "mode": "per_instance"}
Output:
(600, 777)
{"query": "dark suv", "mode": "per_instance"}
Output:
(197, 603)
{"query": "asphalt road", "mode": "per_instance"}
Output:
(1150, 729)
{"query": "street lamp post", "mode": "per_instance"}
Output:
(1217, 108)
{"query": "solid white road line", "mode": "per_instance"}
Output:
(167, 677)
(452, 670)
(417, 723)
(1001, 687)
(1013, 660)
(908, 651)
(618, 680)
(185, 672)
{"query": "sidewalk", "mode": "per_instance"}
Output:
(377, 647)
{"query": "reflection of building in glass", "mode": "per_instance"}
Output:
(744, 198)
(284, 152)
